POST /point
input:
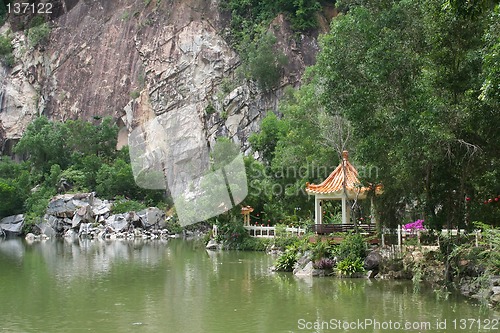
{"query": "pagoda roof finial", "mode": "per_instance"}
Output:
(345, 155)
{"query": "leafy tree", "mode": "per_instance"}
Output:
(10, 203)
(405, 75)
(43, 143)
(247, 16)
(80, 152)
(294, 152)
(271, 131)
(303, 14)
(116, 179)
(490, 89)
(14, 186)
(87, 139)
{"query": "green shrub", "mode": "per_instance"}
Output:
(282, 240)
(210, 109)
(6, 49)
(227, 85)
(116, 179)
(124, 206)
(236, 237)
(263, 62)
(5, 44)
(287, 260)
(349, 266)
(489, 245)
(352, 247)
(250, 16)
(39, 31)
(9, 202)
(134, 94)
(253, 244)
(75, 177)
(223, 115)
(285, 241)
(14, 186)
(320, 249)
(36, 204)
(173, 225)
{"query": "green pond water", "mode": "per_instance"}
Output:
(177, 286)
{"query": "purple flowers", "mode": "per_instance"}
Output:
(414, 226)
(324, 263)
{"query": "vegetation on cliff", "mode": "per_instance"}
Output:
(248, 17)
(6, 48)
(250, 35)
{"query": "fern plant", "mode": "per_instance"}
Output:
(349, 266)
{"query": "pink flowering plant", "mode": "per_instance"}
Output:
(418, 225)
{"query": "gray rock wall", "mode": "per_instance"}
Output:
(136, 62)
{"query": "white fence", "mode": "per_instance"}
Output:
(270, 232)
(403, 233)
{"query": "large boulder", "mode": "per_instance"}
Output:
(372, 264)
(58, 224)
(101, 207)
(307, 270)
(12, 225)
(46, 229)
(82, 214)
(150, 216)
(117, 222)
(372, 261)
(65, 205)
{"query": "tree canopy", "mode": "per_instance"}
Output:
(79, 153)
(417, 84)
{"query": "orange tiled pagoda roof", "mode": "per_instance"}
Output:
(333, 184)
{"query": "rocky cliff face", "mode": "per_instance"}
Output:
(136, 60)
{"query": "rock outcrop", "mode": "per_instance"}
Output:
(84, 215)
(11, 225)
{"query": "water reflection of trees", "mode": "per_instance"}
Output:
(190, 290)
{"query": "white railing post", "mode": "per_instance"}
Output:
(399, 237)
(270, 232)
